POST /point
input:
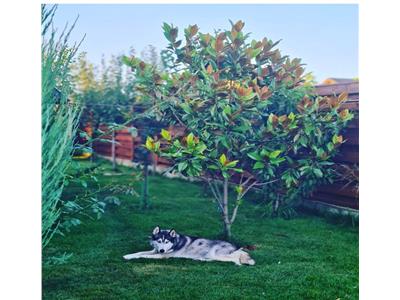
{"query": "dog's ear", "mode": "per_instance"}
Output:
(156, 230)
(172, 233)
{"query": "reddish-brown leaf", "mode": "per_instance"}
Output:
(210, 69)
(193, 30)
(219, 43)
(342, 97)
(344, 113)
(299, 71)
(234, 34)
(174, 34)
(238, 26)
(216, 76)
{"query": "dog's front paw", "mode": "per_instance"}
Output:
(129, 256)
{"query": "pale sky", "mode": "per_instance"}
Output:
(325, 36)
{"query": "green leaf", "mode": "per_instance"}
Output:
(182, 166)
(232, 164)
(274, 154)
(330, 146)
(326, 163)
(239, 189)
(222, 159)
(303, 141)
(227, 110)
(166, 134)
(258, 165)
(249, 97)
(186, 108)
(149, 143)
(166, 27)
(177, 143)
(277, 161)
(318, 173)
(213, 167)
(156, 146)
(254, 155)
(264, 153)
(197, 166)
(190, 139)
(201, 147)
(211, 52)
(255, 52)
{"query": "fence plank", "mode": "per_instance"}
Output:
(332, 89)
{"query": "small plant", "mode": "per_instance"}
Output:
(93, 198)
(58, 260)
(248, 119)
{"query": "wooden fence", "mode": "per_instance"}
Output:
(340, 193)
(124, 147)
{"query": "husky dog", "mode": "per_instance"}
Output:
(168, 243)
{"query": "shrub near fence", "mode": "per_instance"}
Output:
(340, 193)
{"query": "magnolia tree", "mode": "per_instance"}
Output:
(247, 119)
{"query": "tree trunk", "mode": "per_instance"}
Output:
(227, 231)
(227, 224)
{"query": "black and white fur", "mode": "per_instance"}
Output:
(168, 243)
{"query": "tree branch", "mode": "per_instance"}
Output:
(255, 183)
(216, 194)
(234, 212)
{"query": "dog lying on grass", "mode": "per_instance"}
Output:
(168, 243)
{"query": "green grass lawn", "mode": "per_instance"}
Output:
(302, 258)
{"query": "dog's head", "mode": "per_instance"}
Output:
(163, 240)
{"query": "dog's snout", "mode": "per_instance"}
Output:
(162, 250)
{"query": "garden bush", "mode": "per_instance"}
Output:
(250, 118)
(59, 121)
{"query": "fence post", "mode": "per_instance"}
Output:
(91, 148)
(113, 150)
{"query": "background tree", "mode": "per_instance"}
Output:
(151, 56)
(104, 93)
(246, 115)
(107, 92)
(107, 96)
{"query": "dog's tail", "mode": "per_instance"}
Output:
(249, 247)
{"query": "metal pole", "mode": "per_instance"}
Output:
(145, 191)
